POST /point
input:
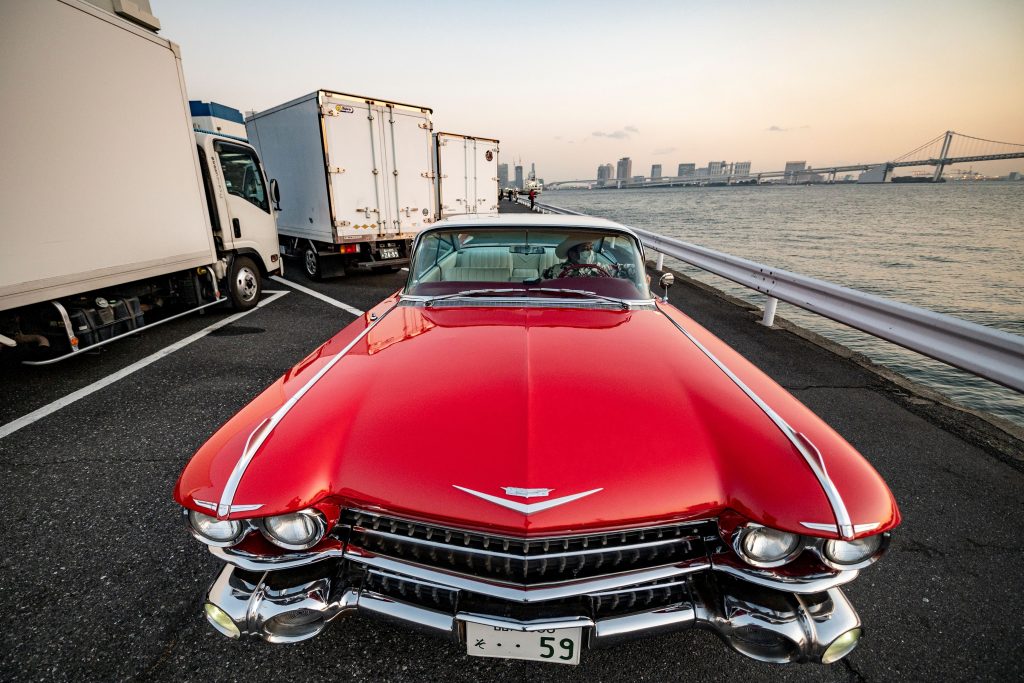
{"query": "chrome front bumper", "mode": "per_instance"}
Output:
(765, 623)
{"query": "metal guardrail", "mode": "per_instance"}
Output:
(980, 350)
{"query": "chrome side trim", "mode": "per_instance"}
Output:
(525, 595)
(857, 528)
(512, 556)
(674, 616)
(527, 508)
(399, 611)
(802, 444)
(265, 428)
(77, 351)
(263, 563)
(799, 585)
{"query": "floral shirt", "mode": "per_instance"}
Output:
(568, 269)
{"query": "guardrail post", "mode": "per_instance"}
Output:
(661, 261)
(769, 311)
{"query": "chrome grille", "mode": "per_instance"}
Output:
(526, 561)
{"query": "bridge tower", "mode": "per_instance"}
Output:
(943, 156)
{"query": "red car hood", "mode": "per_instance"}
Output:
(432, 402)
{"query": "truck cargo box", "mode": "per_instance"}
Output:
(100, 182)
(467, 174)
(353, 169)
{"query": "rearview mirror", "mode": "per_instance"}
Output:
(666, 281)
(275, 194)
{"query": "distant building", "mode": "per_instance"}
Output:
(519, 177)
(502, 176)
(638, 179)
(605, 172)
(624, 169)
(716, 168)
(794, 170)
(655, 171)
(702, 172)
(1013, 175)
(741, 168)
(687, 169)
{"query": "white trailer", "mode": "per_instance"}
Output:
(114, 214)
(467, 174)
(358, 175)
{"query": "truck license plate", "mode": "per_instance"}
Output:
(388, 253)
(558, 645)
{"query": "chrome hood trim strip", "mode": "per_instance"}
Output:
(265, 428)
(810, 452)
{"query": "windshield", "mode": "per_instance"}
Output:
(525, 260)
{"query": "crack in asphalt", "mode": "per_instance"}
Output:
(855, 675)
(184, 614)
(929, 551)
(992, 546)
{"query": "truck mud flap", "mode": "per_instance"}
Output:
(390, 263)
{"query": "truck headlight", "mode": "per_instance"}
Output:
(213, 531)
(850, 554)
(765, 547)
(295, 531)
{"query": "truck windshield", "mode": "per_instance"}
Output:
(605, 262)
(242, 175)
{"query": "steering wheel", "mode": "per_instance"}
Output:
(601, 271)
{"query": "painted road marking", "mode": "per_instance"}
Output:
(36, 415)
(318, 295)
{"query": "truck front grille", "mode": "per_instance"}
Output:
(523, 561)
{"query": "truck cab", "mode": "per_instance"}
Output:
(241, 204)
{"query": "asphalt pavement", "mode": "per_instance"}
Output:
(100, 581)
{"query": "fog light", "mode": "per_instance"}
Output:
(842, 646)
(221, 621)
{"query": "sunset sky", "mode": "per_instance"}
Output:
(571, 85)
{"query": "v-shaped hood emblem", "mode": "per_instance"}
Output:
(527, 508)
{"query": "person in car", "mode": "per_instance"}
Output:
(580, 262)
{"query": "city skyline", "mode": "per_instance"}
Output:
(833, 84)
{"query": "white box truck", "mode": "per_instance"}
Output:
(358, 175)
(467, 174)
(114, 214)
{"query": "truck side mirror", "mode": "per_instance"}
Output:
(275, 194)
(666, 281)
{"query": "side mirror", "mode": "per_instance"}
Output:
(666, 281)
(275, 194)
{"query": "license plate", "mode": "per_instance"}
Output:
(558, 645)
(388, 253)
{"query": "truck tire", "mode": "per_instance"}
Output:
(311, 263)
(244, 283)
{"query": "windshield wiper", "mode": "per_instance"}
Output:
(509, 290)
(582, 292)
(474, 292)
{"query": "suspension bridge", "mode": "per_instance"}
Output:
(943, 150)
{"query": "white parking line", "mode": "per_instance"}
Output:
(36, 415)
(318, 295)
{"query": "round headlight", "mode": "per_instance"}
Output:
(764, 547)
(296, 531)
(846, 554)
(218, 532)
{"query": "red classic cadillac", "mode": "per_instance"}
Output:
(528, 452)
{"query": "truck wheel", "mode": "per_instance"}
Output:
(244, 283)
(311, 260)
